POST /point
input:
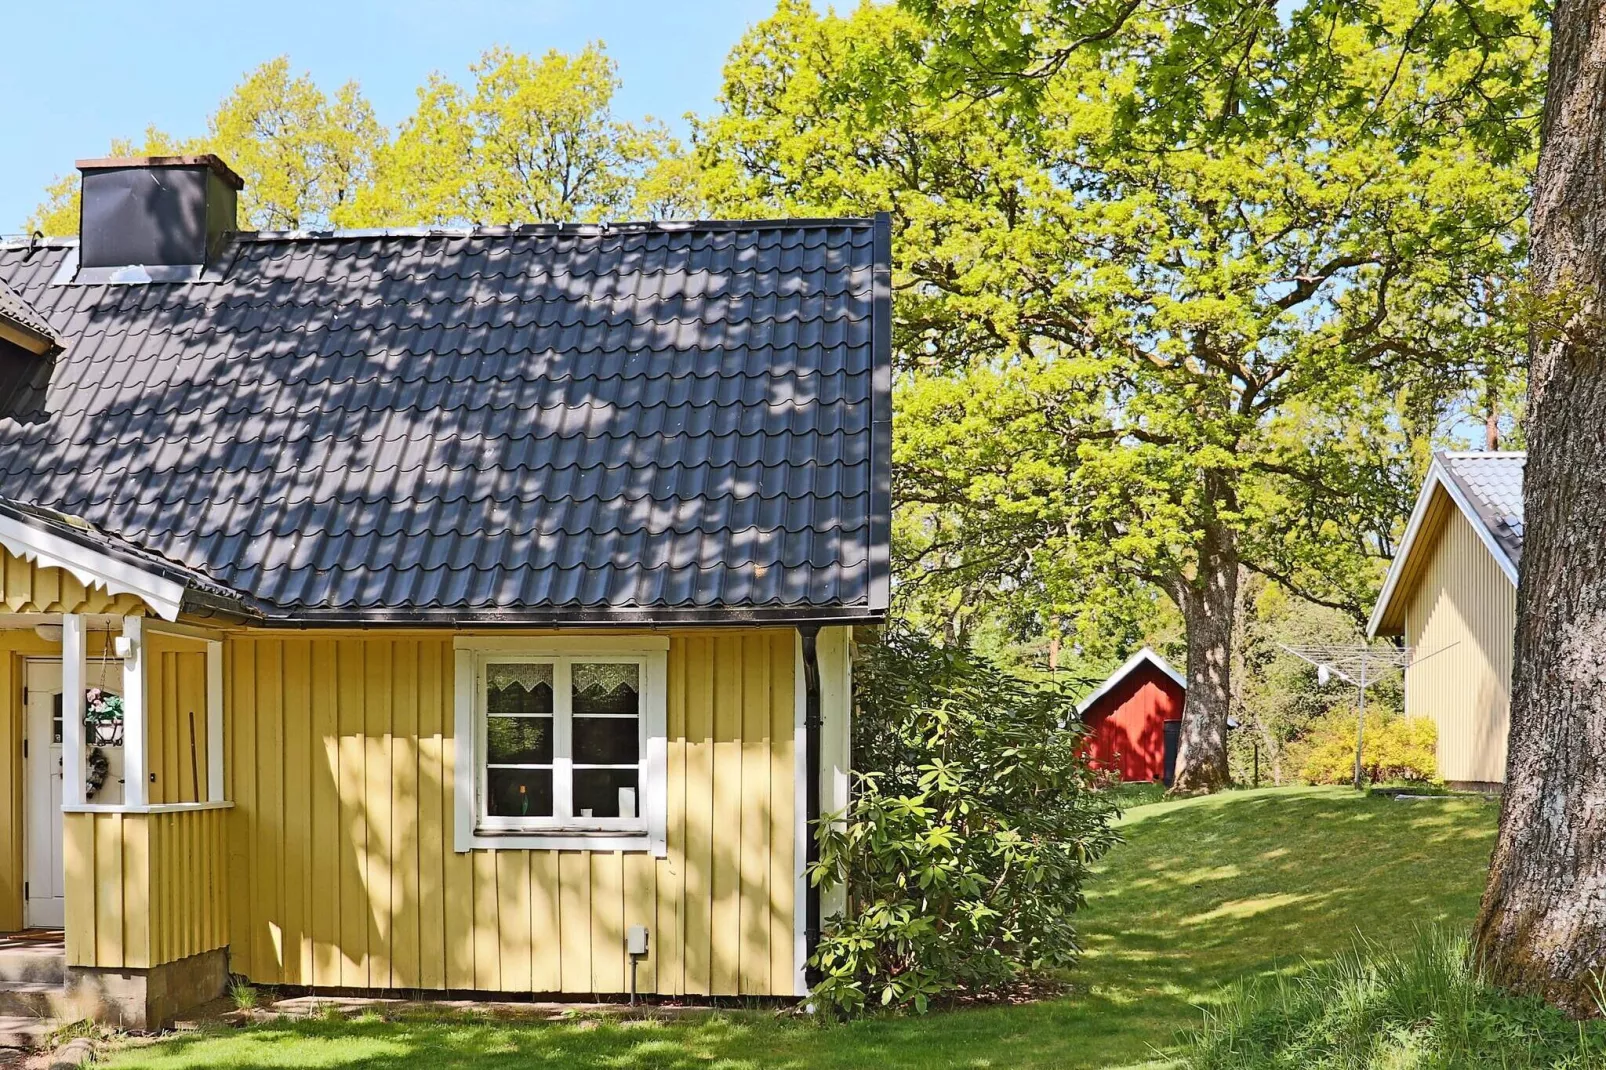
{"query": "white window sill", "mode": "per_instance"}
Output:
(493, 840)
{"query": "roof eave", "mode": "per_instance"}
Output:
(1383, 620)
(166, 587)
(92, 567)
(39, 343)
(562, 617)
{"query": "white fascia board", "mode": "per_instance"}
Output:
(1437, 477)
(93, 568)
(1147, 654)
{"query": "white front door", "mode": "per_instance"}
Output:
(46, 905)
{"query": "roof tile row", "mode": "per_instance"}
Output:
(652, 418)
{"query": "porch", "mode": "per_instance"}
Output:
(112, 792)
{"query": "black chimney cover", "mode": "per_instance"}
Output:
(155, 211)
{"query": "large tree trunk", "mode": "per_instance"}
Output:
(1542, 930)
(1209, 604)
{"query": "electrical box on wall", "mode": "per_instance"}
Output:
(636, 940)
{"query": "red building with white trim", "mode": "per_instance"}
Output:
(1133, 719)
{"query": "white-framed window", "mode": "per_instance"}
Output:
(566, 743)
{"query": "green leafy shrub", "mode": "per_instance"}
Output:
(1396, 748)
(972, 826)
(1422, 1008)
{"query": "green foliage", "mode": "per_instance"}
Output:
(303, 155)
(243, 995)
(58, 212)
(1278, 697)
(1394, 748)
(972, 826)
(1422, 1008)
(532, 140)
(1157, 276)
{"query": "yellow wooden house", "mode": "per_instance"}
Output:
(455, 610)
(1451, 594)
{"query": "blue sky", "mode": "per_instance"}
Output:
(78, 73)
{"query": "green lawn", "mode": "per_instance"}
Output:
(1204, 891)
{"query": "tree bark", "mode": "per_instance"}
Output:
(1542, 928)
(1209, 605)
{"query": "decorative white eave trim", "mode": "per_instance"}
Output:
(93, 568)
(1437, 478)
(1147, 654)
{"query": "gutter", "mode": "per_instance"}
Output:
(813, 722)
(735, 616)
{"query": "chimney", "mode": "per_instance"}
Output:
(153, 218)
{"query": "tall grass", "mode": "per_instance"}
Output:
(1420, 1008)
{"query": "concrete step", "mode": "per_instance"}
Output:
(32, 999)
(25, 1032)
(44, 965)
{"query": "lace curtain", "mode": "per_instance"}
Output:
(605, 677)
(529, 676)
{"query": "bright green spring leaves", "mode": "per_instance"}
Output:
(1216, 266)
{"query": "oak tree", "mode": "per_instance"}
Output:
(1542, 929)
(533, 140)
(1165, 277)
(303, 155)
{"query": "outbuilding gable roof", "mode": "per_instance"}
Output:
(1487, 489)
(1146, 656)
(631, 423)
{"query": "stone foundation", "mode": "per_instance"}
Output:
(144, 1001)
(1486, 787)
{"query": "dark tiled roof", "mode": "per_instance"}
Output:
(541, 423)
(1492, 484)
(23, 316)
(80, 531)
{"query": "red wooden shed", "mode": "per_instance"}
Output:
(1133, 718)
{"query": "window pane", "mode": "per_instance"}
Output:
(518, 740)
(606, 741)
(518, 688)
(518, 792)
(597, 790)
(600, 687)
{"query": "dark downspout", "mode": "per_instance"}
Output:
(812, 723)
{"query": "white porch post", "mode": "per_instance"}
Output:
(136, 763)
(72, 710)
(214, 720)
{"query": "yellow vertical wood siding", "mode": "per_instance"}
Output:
(175, 704)
(1461, 617)
(144, 889)
(29, 588)
(342, 868)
